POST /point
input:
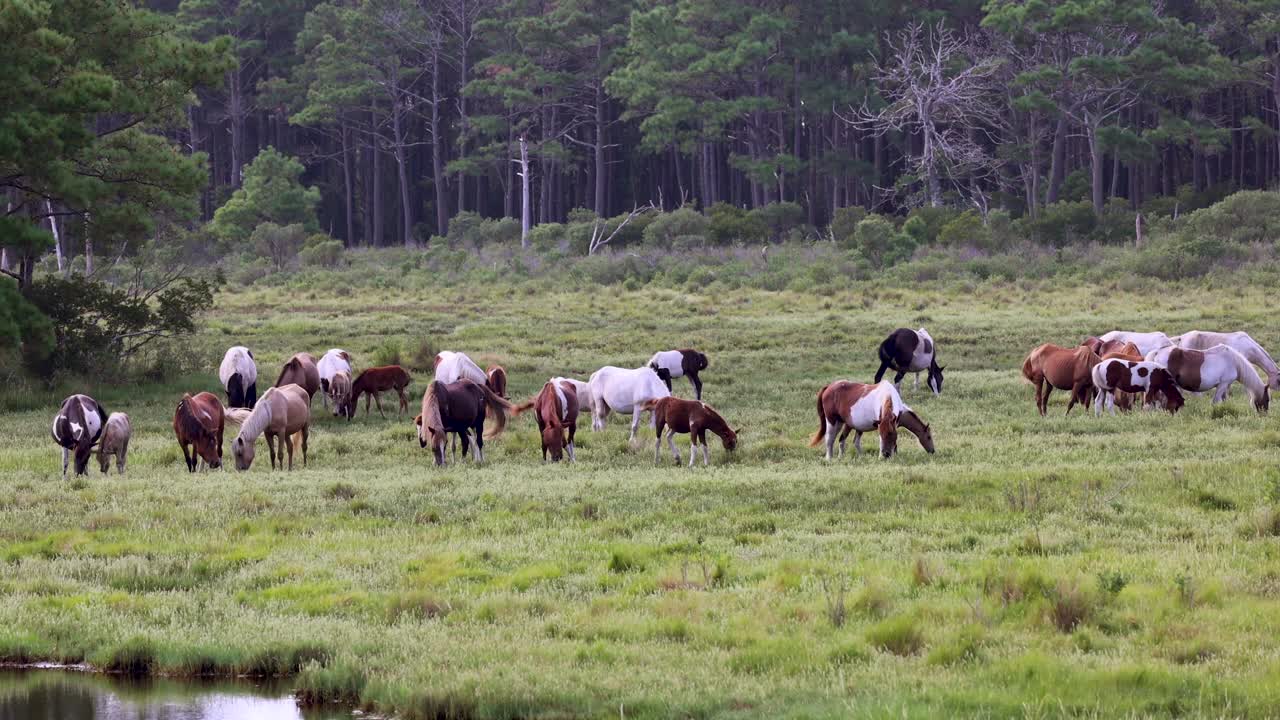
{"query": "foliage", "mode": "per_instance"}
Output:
(778, 219)
(321, 251)
(730, 223)
(681, 222)
(844, 224)
(272, 193)
(965, 229)
(1250, 216)
(881, 243)
(25, 332)
(278, 243)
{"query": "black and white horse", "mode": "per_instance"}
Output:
(907, 351)
(77, 426)
(239, 375)
(681, 363)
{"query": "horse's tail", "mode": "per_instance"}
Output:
(650, 404)
(522, 408)
(822, 420)
(500, 408)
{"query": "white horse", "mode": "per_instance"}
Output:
(335, 361)
(239, 375)
(614, 388)
(585, 401)
(1215, 368)
(453, 366)
(1147, 342)
(1238, 341)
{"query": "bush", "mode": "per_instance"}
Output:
(934, 219)
(1062, 223)
(777, 218)
(25, 332)
(321, 251)
(844, 222)
(729, 223)
(965, 229)
(1249, 216)
(900, 635)
(666, 227)
(278, 243)
(880, 243)
(272, 191)
(546, 236)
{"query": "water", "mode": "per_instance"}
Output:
(64, 695)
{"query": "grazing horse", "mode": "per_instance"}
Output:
(301, 370)
(907, 350)
(623, 390)
(692, 417)
(374, 381)
(1124, 351)
(1052, 366)
(198, 422)
(1215, 368)
(281, 412)
(555, 408)
(459, 407)
(339, 391)
(685, 362)
(239, 376)
(77, 426)
(496, 380)
(331, 363)
(1113, 376)
(453, 366)
(1102, 348)
(1238, 341)
(115, 442)
(1147, 342)
(845, 407)
(585, 401)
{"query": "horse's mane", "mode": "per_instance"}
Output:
(258, 420)
(1244, 370)
(293, 364)
(431, 408)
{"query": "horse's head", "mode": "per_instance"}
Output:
(730, 438)
(1162, 382)
(919, 428)
(553, 441)
(206, 444)
(888, 427)
(242, 452)
(1094, 344)
(1263, 402)
(935, 378)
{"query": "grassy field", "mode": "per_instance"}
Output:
(1032, 567)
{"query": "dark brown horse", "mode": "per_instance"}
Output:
(459, 407)
(198, 423)
(301, 370)
(496, 379)
(693, 418)
(555, 408)
(373, 382)
(1053, 366)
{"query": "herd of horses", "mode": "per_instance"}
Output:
(1117, 369)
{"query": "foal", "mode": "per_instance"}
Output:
(496, 379)
(375, 381)
(115, 442)
(690, 417)
(556, 409)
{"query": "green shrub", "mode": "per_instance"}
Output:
(844, 223)
(546, 236)
(321, 251)
(666, 227)
(777, 219)
(899, 635)
(1249, 216)
(880, 242)
(1062, 223)
(729, 223)
(388, 353)
(272, 191)
(934, 219)
(965, 229)
(25, 332)
(278, 243)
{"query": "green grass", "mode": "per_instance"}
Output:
(1042, 566)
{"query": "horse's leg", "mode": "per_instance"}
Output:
(1220, 394)
(121, 456)
(479, 454)
(185, 457)
(1044, 403)
(880, 373)
(671, 443)
(306, 431)
(657, 443)
(1076, 393)
(573, 430)
(833, 429)
(693, 447)
(844, 436)
(857, 443)
(897, 379)
(915, 384)
(287, 439)
(706, 454)
(697, 384)
(367, 401)
(66, 458)
(1098, 403)
(377, 398)
(271, 447)
(635, 422)
(404, 400)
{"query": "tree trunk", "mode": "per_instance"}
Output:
(376, 197)
(63, 265)
(88, 247)
(464, 120)
(402, 171)
(236, 113)
(348, 189)
(1058, 163)
(508, 196)
(437, 152)
(524, 192)
(1096, 167)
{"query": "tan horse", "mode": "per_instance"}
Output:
(281, 412)
(301, 370)
(1052, 366)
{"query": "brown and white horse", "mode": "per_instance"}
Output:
(1213, 369)
(907, 350)
(281, 413)
(1117, 375)
(1123, 350)
(1053, 366)
(496, 380)
(685, 362)
(198, 423)
(555, 407)
(375, 381)
(693, 418)
(301, 370)
(115, 442)
(845, 407)
(1239, 341)
(459, 407)
(77, 426)
(330, 364)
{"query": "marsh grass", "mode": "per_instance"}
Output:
(520, 589)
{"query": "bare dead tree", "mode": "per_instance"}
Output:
(938, 85)
(598, 238)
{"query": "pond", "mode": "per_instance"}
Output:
(65, 695)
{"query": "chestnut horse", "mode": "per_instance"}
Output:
(375, 381)
(198, 423)
(1117, 375)
(496, 379)
(556, 409)
(301, 370)
(459, 407)
(1052, 366)
(691, 417)
(845, 407)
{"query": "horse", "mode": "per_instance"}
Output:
(339, 390)
(1052, 366)
(1147, 342)
(692, 417)
(459, 407)
(1238, 341)
(374, 381)
(1113, 376)
(555, 407)
(907, 350)
(115, 442)
(496, 380)
(1102, 348)
(623, 390)
(331, 363)
(1217, 367)
(301, 370)
(453, 366)
(239, 376)
(199, 422)
(282, 412)
(76, 427)
(685, 362)
(845, 407)
(1123, 350)
(585, 401)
